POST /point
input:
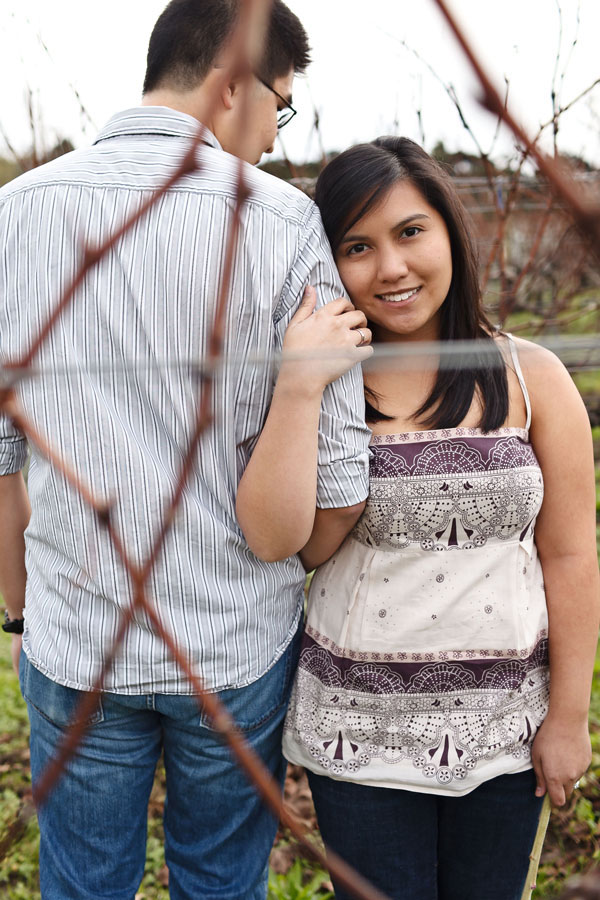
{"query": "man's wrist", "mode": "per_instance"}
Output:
(13, 626)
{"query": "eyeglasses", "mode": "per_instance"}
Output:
(283, 115)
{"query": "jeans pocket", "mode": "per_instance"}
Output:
(58, 704)
(254, 705)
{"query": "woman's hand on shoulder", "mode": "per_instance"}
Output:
(322, 344)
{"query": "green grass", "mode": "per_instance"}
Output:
(298, 884)
(580, 315)
(587, 383)
(18, 872)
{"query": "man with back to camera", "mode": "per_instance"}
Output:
(121, 415)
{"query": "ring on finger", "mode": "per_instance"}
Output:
(363, 338)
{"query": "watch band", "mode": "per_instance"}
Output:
(12, 626)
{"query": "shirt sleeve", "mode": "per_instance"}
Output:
(13, 448)
(343, 456)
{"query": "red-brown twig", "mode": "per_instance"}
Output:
(587, 218)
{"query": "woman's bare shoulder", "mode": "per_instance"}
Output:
(539, 364)
(555, 400)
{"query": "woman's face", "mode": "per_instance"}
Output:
(396, 264)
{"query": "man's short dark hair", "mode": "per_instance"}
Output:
(189, 34)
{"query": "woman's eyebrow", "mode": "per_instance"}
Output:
(401, 224)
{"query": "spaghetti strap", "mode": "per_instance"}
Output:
(519, 374)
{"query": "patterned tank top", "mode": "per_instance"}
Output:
(424, 665)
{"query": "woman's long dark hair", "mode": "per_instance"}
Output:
(351, 185)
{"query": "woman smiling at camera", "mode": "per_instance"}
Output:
(444, 677)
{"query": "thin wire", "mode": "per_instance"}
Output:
(428, 355)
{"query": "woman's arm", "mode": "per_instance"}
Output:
(565, 536)
(329, 530)
(277, 493)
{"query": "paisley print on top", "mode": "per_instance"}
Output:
(438, 508)
(425, 663)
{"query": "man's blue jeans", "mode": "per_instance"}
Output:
(93, 827)
(415, 846)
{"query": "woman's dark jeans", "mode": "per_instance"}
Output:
(415, 846)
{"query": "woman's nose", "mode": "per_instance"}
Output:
(392, 264)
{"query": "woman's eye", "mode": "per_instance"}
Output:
(356, 249)
(411, 231)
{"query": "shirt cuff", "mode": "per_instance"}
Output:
(13, 455)
(340, 485)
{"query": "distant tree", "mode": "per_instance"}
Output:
(462, 163)
(10, 168)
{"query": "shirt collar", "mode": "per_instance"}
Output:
(155, 120)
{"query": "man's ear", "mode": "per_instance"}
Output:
(229, 94)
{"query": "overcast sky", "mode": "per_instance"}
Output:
(365, 80)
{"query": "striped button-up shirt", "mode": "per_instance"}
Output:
(115, 391)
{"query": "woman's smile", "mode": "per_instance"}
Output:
(403, 298)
